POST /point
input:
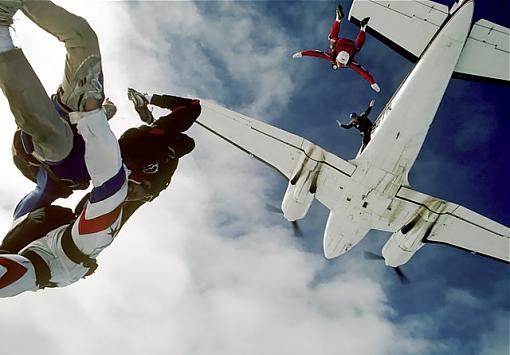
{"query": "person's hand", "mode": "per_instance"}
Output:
(372, 102)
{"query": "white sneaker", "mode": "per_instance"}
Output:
(375, 87)
(85, 85)
(141, 103)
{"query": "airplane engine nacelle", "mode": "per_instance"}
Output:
(296, 202)
(303, 185)
(402, 245)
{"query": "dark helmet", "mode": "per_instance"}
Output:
(354, 115)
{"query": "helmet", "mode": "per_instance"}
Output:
(354, 114)
(342, 58)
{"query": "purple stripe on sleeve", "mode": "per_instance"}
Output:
(109, 188)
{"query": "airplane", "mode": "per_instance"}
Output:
(372, 190)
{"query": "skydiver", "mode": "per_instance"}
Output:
(343, 50)
(166, 131)
(46, 147)
(362, 123)
(146, 150)
(64, 244)
(61, 256)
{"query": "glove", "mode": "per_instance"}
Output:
(372, 102)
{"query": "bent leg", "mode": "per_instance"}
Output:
(335, 30)
(366, 137)
(360, 40)
(83, 60)
(32, 108)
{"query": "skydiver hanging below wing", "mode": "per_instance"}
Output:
(343, 50)
(362, 123)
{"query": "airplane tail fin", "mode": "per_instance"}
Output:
(485, 57)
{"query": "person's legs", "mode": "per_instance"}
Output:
(335, 27)
(360, 40)
(333, 33)
(28, 100)
(366, 138)
(83, 78)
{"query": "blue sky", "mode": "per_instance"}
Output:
(205, 269)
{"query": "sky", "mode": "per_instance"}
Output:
(205, 268)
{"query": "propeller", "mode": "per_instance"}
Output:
(295, 226)
(400, 274)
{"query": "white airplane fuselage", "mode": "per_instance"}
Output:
(403, 125)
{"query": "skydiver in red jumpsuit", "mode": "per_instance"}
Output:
(343, 50)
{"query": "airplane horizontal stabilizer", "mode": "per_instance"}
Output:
(418, 22)
(486, 54)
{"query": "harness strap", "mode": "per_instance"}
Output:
(75, 254)
(42, 271)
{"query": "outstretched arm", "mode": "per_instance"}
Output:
(346, 126)
(184, 113)
(369, 109)
(365, 74)
(313, 53)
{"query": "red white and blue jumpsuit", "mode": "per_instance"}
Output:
(94, 229)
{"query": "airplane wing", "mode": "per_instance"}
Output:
(462, 228)
(418, 22)
(277, 148)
